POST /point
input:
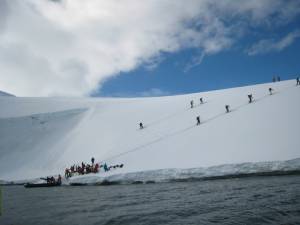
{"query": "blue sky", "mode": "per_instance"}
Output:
(230, 68)
(144, 48)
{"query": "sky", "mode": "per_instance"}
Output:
(145, 48)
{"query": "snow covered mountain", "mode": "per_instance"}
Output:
(43, 136)
(2, 93)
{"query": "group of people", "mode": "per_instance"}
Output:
(82, 169)
(192, 102)
(250, 97)
(108, 168)
(89, 168)
(227, 107)
(276, 78)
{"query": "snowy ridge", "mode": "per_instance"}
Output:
(4, 94)
(43, 136)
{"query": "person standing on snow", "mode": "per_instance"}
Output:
(141, 125)
(192, 104)
(96, 169)
(227, 108)
(83, 166)
(271, 91)
(250, 98)
(105, 167)
(67, 173)
(198, 120)
(201, 100)
(298, 81)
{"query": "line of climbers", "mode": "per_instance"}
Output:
(276, 78)
(227, 107)
(192, 102)
(87, 168)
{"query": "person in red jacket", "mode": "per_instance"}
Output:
(96, 168)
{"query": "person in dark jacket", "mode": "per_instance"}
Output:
(105, 167)
(58, 179)
(82, 167)
(52, 180)
(250, 98)
(298, 81)
(271, 91)
(198, 120)
(192, 104)
(201, 100)
(67, 173)
(141, 125)
(227, 108)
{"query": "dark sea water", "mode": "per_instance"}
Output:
(255, 200)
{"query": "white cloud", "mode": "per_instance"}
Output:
(271, 45)
(196, 60)
(153, 92)
(70, 47)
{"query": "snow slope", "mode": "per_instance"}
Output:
(42, 136)
(2, 93)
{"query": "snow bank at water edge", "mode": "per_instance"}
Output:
(213, 172)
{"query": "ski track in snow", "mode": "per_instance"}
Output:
(141, 147)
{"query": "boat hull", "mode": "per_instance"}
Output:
(30, 185)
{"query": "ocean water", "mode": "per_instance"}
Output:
(252, 200)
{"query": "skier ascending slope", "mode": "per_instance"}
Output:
(141, 125)
(192, 104)
(201, 100)
(198, 120)
(227, 108)
(271, 91)
(250, 98)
